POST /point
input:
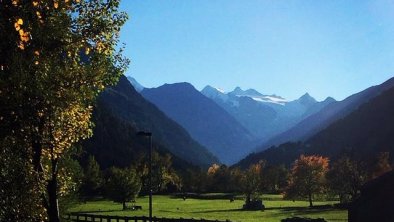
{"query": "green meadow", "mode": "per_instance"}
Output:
(220, 209)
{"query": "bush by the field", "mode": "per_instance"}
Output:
(254, 205)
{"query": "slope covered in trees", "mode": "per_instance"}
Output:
(120, 113)
(328, 115)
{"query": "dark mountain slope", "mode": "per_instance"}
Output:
(206, 122)
(329, 114)
(363, 133)
(128, 112)
(115, 143)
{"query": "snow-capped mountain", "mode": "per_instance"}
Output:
(255, 95)
(264, 115)
(212, 92)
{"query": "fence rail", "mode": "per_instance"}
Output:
(80, 217)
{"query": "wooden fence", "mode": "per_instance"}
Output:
(79, 217)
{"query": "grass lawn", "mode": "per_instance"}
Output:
(166, 206)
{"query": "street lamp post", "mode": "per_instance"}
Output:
(149, 134)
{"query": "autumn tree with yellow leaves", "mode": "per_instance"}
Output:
(56, 57)
(251, 182)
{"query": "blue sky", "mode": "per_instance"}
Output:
(284, 47)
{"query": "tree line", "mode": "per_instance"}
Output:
(309, 178)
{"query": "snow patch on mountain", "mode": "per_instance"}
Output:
(271, 99)
(257, 96)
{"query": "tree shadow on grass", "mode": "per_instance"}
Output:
(300, 211)
(98, 211)
(219, 211)
(283, 210)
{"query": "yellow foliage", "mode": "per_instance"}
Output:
(213, 169)
(15, 2)
(66, 87)
(38, 14)
(25, 36)
(17, 26)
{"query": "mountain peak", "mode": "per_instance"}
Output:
(210, 88)
(307, 99)
(306, 96)
(249, 92)
(213, 92)
(329, 99)
(137, 86)
(237, 90)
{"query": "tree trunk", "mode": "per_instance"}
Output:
(341, 198)
(247, 201)
(37, 152)
(310, 200)
(124, 205)
(53, 208)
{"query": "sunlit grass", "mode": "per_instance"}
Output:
(166, 206)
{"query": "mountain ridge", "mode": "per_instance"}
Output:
(264, 115)
(362, 133)
(131, 109)
(206, 122)
(327, 115)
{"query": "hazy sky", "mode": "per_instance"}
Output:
(284, 47)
